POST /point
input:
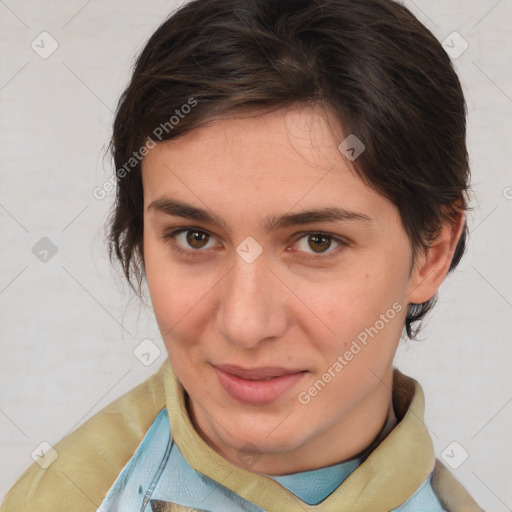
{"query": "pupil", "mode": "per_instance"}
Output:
(322, 242)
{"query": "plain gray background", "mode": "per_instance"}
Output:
(69, 325)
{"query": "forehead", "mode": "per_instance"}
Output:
(297, 133)
(282, 158)
(259, 146)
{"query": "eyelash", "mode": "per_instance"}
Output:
(171, 235)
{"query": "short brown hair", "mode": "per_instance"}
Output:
(371, 63)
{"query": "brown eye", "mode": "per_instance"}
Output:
(197, 239)
(319, 243)
(191, 242)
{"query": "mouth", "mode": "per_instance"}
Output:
(257, 386)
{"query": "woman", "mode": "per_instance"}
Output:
(291, 183)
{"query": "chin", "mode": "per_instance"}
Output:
(263, 439)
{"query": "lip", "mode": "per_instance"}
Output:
(257, 386)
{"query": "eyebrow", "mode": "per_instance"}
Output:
(173, 207)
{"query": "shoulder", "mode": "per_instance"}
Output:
(89, 459)
(451, 493)
(440, 492)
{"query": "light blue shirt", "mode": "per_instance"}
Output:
(315, 485)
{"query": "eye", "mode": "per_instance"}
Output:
(319, 243)
(190, 240)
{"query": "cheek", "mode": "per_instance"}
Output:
(172, 295)
(355, 305)
(182, 306)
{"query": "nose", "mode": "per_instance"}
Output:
(252, 304)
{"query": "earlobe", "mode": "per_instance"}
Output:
(433, 264)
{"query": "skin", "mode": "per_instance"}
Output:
(283, 309)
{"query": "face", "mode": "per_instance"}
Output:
(279, 282)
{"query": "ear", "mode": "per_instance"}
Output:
(431, 266)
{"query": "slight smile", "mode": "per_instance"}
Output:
(257, 386)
